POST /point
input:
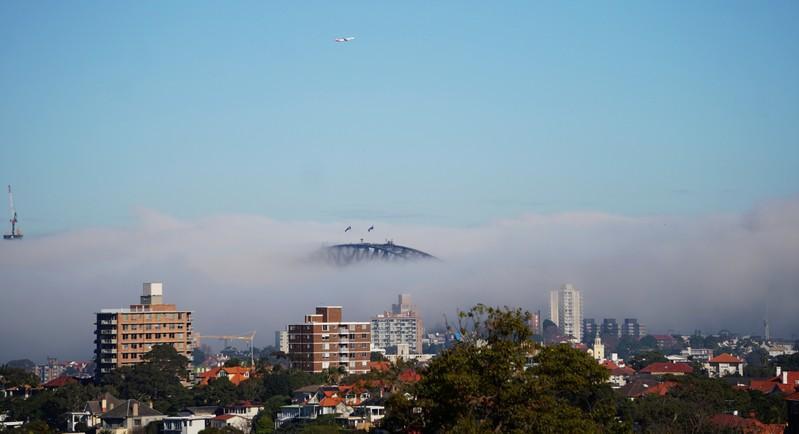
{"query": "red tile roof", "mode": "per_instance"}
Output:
(668, 368)
(660, 389)
(725, 358)
(380, 366)
(409, 376)
(329, 402)
(769, 385)
(744, 425)
(59, 382)
(225, 416)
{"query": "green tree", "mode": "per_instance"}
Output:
(218, 391)
(484, 383)
(263, 423)
(642, 360)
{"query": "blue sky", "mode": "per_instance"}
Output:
(445, 113)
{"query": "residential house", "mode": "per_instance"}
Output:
(192, 424)
(130, 417)
(234, 374)
(618, 374)
(233, 420)
(724, 365)
(664, 368)
(785, 382)
(92, 412)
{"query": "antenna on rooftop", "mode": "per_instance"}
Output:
(15, 232)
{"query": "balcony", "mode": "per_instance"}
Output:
(108, 322)
(344, 341)
(108, 360)
(108, 332)
(108, 341)
(108, 350)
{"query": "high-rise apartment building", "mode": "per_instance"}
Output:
(566, 310)
(535, 323)
(633, 328)
(324, 341)
(282, 341)
(610, 327)
(589, 329)
(123, 336)
(401, 326)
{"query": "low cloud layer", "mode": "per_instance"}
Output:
(240, 272)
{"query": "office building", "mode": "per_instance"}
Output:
(282, 341)
(632, 328)
(566, 310)
(324, 341)
(124, 336)
(401, 326)
(610, 327)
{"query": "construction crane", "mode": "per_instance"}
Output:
(15, 232)
(248, 338)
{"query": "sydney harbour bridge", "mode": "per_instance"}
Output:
(345, 254)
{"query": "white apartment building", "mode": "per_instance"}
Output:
(566, 310)
(401, 326)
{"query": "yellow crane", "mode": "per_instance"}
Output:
(247, 338)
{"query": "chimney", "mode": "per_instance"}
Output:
(779, 371)
(135, 411)
(784, 377)
(103, 405)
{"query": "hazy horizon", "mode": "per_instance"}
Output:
(240, 273)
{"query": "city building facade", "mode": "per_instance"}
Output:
(566, 310)
(589, 329)
(124, 336)
(324, 341)
(632, 328)
(610, 328)
(401, 326)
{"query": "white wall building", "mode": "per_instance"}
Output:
(566, 310)
(282, 341)
(400, 326)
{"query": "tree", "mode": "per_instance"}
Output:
(263, 423)
(642, 360)
(483, 383)
(11, 376)
(166, 358)
(649, 341)
(218, 391)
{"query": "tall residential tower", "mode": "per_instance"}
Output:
(566, 310)
(324, 341)
(402, 325)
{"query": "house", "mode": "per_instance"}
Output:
(233, 420)
(130, 417)
(664, 368)
(234, 374)
(785, 382)
(92, 411)
(735, 423)
(59, 382)
(646, 385)
(724, 365)
(618, 375)
(187, 424)
(665, 341)
(366, 416)
(792, 407)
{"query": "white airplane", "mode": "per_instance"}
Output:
(347, 39)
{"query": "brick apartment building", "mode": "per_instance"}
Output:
(324, 341)
(124, 335)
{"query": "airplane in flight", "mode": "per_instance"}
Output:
(347, 39)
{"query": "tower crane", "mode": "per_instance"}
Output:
(15, 232)
(247, 338)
